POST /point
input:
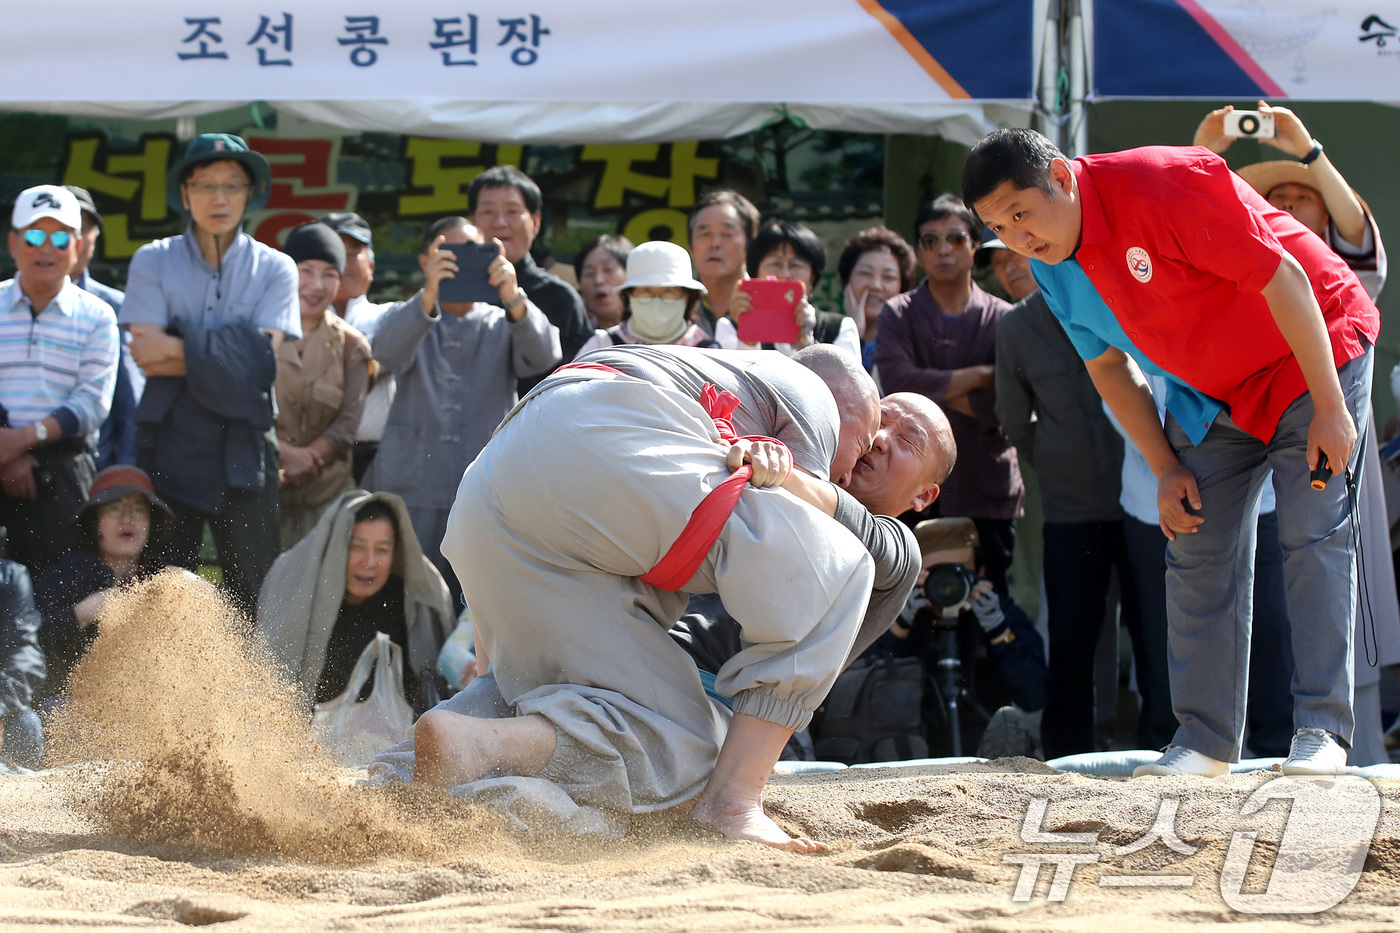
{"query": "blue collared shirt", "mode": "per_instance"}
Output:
(169, 279)
(1092, 328)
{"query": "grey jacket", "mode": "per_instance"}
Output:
(301, 594)
(456, 381)
(1049, 408)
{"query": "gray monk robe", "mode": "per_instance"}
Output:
(583, 489)
(456, 380)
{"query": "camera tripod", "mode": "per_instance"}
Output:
(948, 684)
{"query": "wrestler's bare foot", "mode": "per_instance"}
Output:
(452, 749)
(732, 801)
(740, 818)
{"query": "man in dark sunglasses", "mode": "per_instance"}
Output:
(939, 340)
(58, 364)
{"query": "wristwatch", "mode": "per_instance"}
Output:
(1313, 153)
(519, 300)
(41, 433)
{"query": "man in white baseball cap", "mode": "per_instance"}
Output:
(56, 384)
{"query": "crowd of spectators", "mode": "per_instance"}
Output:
(257, 397)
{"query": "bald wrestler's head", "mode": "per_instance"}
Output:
(857, 400)
(912, 455)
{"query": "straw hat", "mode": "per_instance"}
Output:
(1264, 177)
(660, 264)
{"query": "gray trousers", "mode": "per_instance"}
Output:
(1210, 575)
(585, 487)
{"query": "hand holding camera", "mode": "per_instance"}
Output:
(500, 275)
(440, 264)
(1222, 127)
(986, 606)
(1289, 134)
(1248, 124)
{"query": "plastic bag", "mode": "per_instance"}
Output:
(458, 652)
(355, 732)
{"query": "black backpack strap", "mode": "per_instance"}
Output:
(828, 326)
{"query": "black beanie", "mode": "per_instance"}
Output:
(316, 241)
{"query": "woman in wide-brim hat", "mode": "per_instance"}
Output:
(115, 529)
(1311, 189)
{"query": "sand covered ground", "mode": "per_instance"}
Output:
(213, 809)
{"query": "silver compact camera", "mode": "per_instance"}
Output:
(1249, 124)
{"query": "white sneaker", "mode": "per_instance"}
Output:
(1178, 759)
(1315, 752)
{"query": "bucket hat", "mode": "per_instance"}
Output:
(660, 264)
(213, 147)
(110, 485)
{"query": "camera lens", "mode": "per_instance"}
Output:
(1249, 125)
(948, 585)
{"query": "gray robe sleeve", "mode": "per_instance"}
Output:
(534, 343)
(400, 330)
(897, 564)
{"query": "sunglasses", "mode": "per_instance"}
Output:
(59, 238)
(955, 239)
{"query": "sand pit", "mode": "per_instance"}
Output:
(228, 817)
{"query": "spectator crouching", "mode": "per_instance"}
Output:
(359, 571)
(114, 528)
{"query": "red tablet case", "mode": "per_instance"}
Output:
(772, 319)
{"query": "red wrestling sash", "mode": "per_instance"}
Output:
(707, 521)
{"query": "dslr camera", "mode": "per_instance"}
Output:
(949, 587)
(1249, 124)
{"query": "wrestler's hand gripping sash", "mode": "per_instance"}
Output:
(703, 529)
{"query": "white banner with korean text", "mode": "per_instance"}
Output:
(631, 69)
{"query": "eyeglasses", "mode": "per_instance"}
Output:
(931, 240)
(59, 238)
(126, 510)
(206, 189)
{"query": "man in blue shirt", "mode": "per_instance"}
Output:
(116, 443)
(207, 311)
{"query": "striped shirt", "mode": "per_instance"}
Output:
(62, 362)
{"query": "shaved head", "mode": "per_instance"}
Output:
(857, 400)
(912, 455)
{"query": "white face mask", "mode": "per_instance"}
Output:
(657, 320)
